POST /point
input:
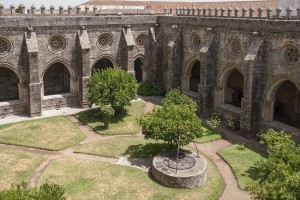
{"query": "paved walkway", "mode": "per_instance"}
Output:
(230, 188)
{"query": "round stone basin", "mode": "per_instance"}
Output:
(188, 171)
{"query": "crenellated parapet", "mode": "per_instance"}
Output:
(251, 12)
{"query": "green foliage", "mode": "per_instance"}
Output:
(175, 97)
(175, 122)
(233, 122)
(19, 9)
(240, 147)
(159, 91)
(107, 113)
(47, 191)
(146, 88)
(279, 175)
(112, 86)
(214, 122)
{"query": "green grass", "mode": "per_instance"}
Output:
(131, 146)
(17, 166)
(96, 180)
(242, 163)
(53, 133)
(209, 135)
(123, 123)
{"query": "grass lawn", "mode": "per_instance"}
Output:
(242, 163)
(96, 180)
(131, 146)
(53, 133)
(123, 123)
(208, 135)
(16, 166)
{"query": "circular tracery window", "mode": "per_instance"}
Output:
(196, 41)
(105, 40)
(234, 47)
(5, 46)
(141, 40)
(291, 55)
(57, 43)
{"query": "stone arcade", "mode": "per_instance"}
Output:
(242, 63)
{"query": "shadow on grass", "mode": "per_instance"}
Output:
(252, 173)
(95, 117)
(148, 150)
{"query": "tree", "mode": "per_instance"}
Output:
(19, 9)
(175, 123)
(111, 89)
(21, 191)
(279, 175)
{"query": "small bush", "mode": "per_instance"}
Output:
(240, 147)
(146, 88)
(214, 121)
(233, 122)
(159, 91)
(21, 191)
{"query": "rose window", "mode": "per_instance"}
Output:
(3, 46)
(57, 43)
(141, 40)
(234, 47)
(291, 55)
(105, 40)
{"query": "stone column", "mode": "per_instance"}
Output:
(128, 61)
(84, 45)
(250, 122)
(35, 101)
(208, 63)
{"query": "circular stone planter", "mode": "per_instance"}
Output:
(188, 171)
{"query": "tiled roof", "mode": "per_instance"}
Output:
(158, 6)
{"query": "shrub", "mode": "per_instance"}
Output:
(146, 88)
(214, 121)
(21, 191)
(278, 177)
(175, 97)
(159, 91)
(233, 122)
(112, 86)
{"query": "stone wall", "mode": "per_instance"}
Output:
(264, 50)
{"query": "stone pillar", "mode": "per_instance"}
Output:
(217, 12)
(52, 9)
(250, 122)
(222, 12)
(12, 9)
(244, 11)
(35, 101)
(33, 9)
(208, 59)
(236, 12)
(128, 61)
(42, 9)
(269, 11)
(251, 11)
(70, 10)
(22, 9)
(84, 76)
(259, 12)
(61, 10)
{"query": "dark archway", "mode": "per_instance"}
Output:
(102, 64)
(195, 77)
(138, 69)
(235, 88)
(9, 81)
(287, 104)
(56, 79)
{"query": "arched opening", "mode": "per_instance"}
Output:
(56, 79)
(287, 104)
(9, 85)
(138, 69)
(234, 88)
(102, 64)
(195, 77)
